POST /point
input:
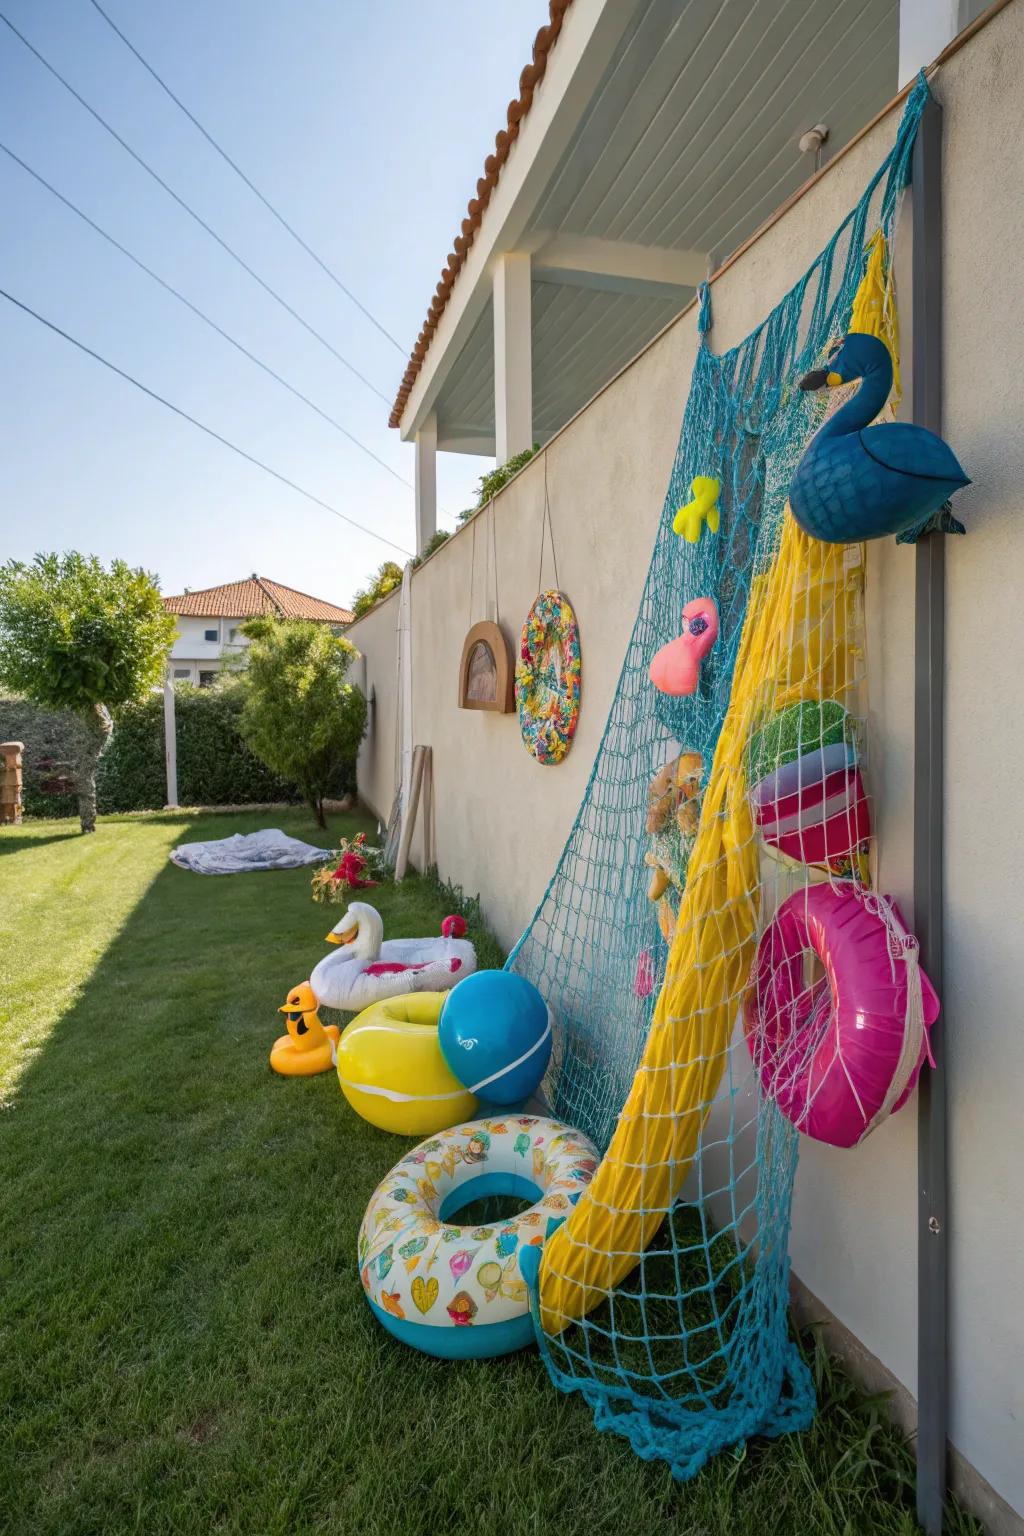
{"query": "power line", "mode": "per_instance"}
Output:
(162, 83)
(206, 319)
(242, 453)
(191, 211)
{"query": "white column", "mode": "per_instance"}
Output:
(426, 482)
(513, 356)
(170, 741)
(926, 26)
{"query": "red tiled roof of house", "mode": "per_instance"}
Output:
(253, 597)
(517, 109)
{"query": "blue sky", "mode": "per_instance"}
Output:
(367, 126)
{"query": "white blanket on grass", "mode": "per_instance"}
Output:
(269, 849)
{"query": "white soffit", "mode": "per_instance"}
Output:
(682, 146)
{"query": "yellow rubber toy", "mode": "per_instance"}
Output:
(702, 509)
(308, 1047)
(392, 1072)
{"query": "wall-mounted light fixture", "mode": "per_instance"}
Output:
(810, 143)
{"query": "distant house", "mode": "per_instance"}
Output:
(210, 622)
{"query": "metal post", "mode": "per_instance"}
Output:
(929, 668)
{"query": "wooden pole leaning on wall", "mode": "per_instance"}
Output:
(421, 770)
(429, 852)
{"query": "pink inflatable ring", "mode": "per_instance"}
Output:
(842, 1053)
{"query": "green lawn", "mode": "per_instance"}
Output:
(184, 1345)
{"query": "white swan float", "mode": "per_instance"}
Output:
(367, 969)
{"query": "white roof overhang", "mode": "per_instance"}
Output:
(660, 137)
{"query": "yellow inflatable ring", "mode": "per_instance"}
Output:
(392, 1072)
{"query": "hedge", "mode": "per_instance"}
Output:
(214, 765)
(48, 735)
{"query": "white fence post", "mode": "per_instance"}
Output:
(170, 743)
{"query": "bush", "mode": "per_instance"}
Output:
(434, 542)
(496, 480)
(50, 749)
(383, 581)
(214, 765)
(300, 715)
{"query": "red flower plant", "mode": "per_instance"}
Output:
(331, 885)
(349, 872)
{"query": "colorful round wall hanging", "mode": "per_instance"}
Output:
(548, 675)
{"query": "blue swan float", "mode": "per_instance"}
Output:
(856, 481)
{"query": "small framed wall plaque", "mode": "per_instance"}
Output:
(486, 679)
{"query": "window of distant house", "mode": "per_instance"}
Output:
(232, 633)
(182, 672)
(211, 634)
(206, 679)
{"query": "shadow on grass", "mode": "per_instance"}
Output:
(30, 834)
(18, 839)
(166, 1232)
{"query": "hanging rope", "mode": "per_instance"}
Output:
(472, 574)
(494, 561)
(546, 526)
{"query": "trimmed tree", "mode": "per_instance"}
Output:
(76, 636)
(301, 717)
(383, 581)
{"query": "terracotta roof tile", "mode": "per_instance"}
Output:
(529, 80)
(253, 597)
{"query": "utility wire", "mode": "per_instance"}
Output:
(207, 320)
(168, 287)
(162, 83)
(284, 480)
(191, 211)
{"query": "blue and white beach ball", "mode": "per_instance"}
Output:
(495, 1035)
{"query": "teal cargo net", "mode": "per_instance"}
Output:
(692, 1351)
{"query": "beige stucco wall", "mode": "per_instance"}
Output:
(501, 819)
(984, 297)
(377, 639)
